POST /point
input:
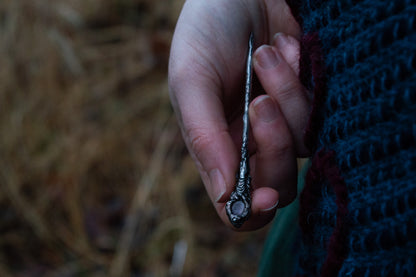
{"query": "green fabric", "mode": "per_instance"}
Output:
(278, 254)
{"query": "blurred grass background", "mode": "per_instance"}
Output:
(94, 177)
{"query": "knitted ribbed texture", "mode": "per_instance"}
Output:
(358, 208)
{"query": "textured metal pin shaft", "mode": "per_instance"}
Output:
(238, 208)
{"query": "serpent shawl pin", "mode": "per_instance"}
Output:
(238, 208)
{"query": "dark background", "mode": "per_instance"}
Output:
(94, 177)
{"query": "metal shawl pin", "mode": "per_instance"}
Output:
(238, 208)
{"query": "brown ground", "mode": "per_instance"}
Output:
(94, 177)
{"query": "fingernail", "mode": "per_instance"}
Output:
(280, 39)
(265, 108)
(266, 57)
(271, 208)
(217, 183)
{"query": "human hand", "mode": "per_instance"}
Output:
(206, 74)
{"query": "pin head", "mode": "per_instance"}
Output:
(238, 209)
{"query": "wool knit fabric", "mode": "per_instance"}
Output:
(358, 207)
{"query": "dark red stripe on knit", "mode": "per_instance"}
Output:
(312, 74)
(312, 190)
(324, 169)
(337, 248)
(313, 77)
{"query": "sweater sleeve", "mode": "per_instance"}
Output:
(357, 209)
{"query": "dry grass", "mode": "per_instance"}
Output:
(94, 177)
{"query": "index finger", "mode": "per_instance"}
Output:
(196, 100)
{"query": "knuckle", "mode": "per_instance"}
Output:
(198, 140)
(285, 146)
(282, 147)
(275, 141)
(202, 140)
(277, 147)
(288, 90)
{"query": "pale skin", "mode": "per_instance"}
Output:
(206, 76)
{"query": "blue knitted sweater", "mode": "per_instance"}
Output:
(358, 207)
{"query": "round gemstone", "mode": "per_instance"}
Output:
(238, 208)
